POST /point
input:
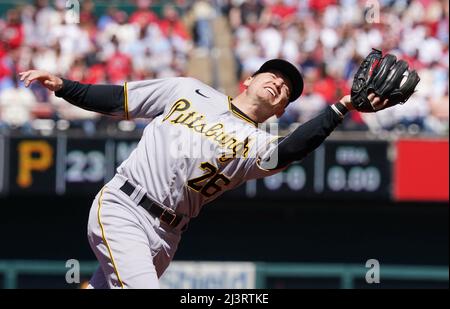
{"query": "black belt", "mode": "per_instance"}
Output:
(165, 214)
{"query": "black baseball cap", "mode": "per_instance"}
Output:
(288, 70)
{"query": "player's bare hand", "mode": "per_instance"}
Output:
(347, 101)
(48, 80)
(375, 100)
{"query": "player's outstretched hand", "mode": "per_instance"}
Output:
(387, 77)
(375, 101)
(48, 80)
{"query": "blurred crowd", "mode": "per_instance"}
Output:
(326, 39)
(112, 48)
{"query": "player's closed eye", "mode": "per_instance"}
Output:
(284, 86)
(273, 76)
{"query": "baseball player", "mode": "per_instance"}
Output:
(199, 144)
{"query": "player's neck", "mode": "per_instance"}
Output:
(252, 109)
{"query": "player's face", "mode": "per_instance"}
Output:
(271, 88)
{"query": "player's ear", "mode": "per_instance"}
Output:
(247, 81)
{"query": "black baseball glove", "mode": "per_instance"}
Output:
(387, 77)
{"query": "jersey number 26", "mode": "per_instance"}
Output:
(214, 181)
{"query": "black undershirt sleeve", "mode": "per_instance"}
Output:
(105, 99)
(306, 138)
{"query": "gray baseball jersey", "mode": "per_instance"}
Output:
(197, 146)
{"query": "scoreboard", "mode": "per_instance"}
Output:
(362, 169)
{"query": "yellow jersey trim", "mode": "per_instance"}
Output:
(239, 114)
(125, 90)
(258, 159)
(104, 238)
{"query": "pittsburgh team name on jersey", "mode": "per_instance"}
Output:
(182, 113)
